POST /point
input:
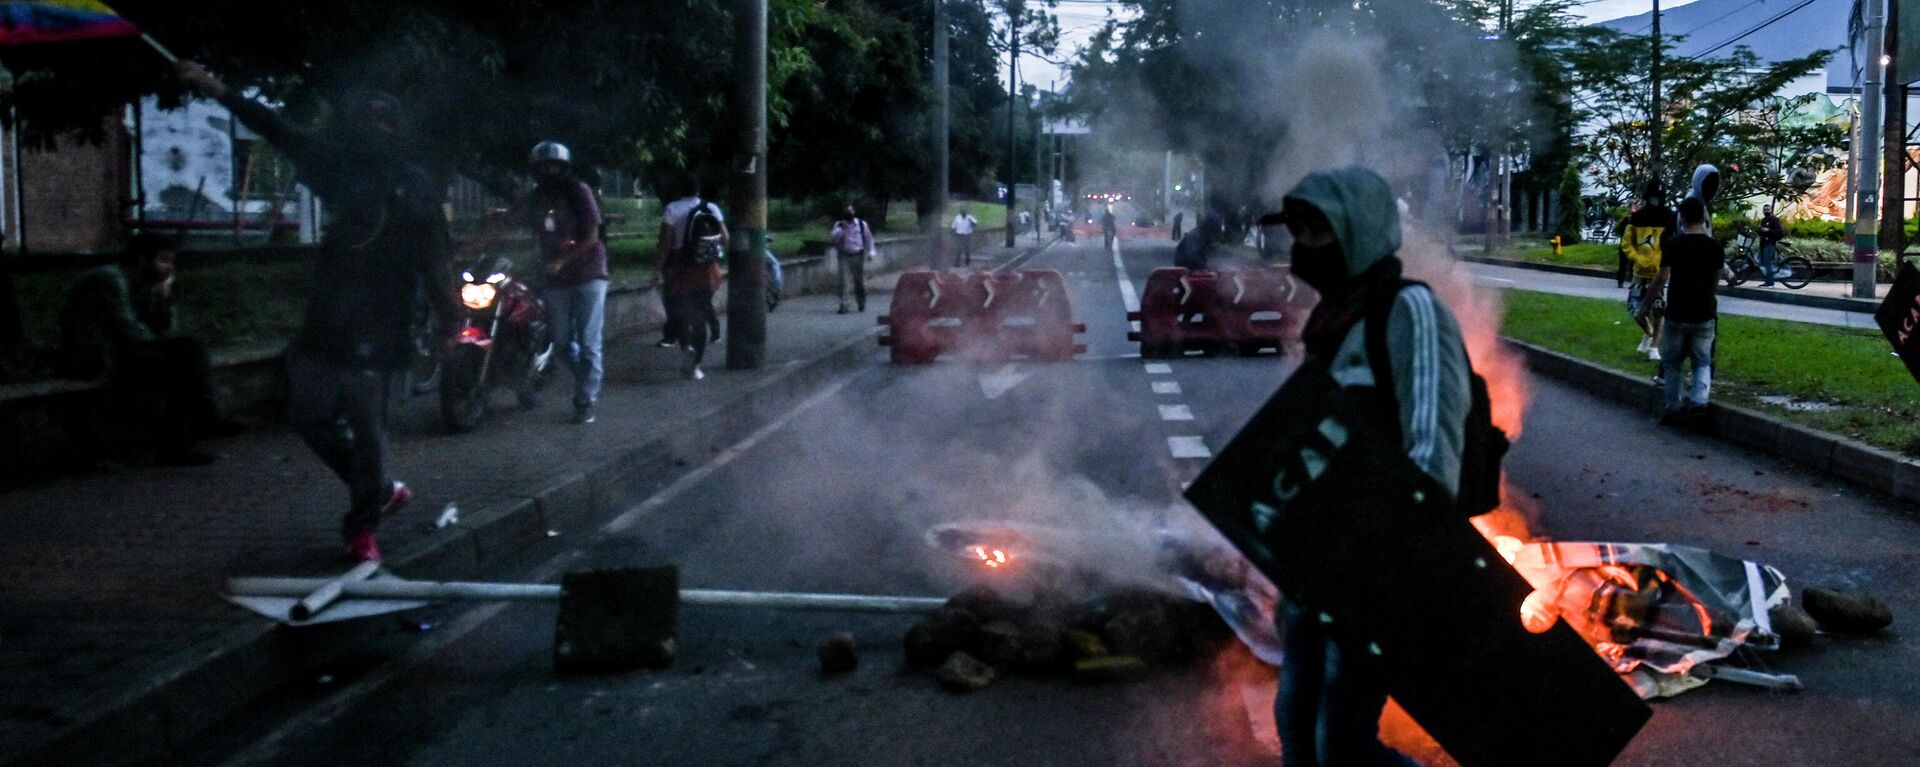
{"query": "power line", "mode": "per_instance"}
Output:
(1743, 35)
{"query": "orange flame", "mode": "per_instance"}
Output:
(992, 558)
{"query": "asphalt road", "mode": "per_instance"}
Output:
(837, 496)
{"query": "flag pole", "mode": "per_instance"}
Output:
(160, 49)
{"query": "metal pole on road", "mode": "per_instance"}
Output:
(1866, 227)
(747, 282)
(1014, 11)
(942, 126)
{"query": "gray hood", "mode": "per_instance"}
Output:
(1360, 206)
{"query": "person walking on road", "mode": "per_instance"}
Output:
(963, 224)
(1646, 234)
(852, 244)
(119, 322)
(566, 224)
(1346, 234)
(1691, 267)
(386, 243)
(693, 243)
(1179, 217)
(1771, 233)
(1109, 226)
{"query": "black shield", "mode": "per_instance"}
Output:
(1318, 494)
(1899, 317)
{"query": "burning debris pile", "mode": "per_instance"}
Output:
(982, 633)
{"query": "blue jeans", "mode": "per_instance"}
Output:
(1694, 340)
(578, 315)
(341, 413)
(1767, 253)
(1328, 707)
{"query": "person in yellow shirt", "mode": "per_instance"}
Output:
(1646, 234)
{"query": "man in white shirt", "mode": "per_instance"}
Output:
(963, 223)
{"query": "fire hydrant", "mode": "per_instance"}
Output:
(1556, 244)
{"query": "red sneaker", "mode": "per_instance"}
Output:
(396, 499)
(362, 547)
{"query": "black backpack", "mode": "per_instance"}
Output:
(1485, 445)
(701, 235)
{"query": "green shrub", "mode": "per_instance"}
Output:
(1816, 229)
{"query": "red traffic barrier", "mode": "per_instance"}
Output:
(1246, 310)
(981, 317)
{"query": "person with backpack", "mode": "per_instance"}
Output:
(566, 221)
(1376, 330)
(386, 243)
(852, 245)
(693, 244)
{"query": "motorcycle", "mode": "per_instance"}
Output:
(503, 341)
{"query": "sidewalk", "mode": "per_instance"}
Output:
(112, 635)
(1833, 296)
(1770, 303)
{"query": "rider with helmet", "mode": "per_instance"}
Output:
(565, 218)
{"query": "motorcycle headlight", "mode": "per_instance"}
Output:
(477, 296)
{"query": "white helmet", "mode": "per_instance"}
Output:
(550, 151)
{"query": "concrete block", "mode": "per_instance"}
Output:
(1806, 447)
(1746, 428)
(1868, 467)
(1906, 481)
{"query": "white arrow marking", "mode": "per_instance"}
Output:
(1001, 381)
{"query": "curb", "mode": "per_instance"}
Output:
(1870, 468)
(1862, 305)
(207, 683)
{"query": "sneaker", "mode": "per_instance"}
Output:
(842, 310)
(665, 343)
(583, 414)
(697, 374)
(362, 547)
(1645, 343)
(1653, 354)
(399, 497)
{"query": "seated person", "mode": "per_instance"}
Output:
(119, 323)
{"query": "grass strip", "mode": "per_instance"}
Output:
(1853, 371)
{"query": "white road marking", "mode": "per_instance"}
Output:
(1188, 447)
(1127, 294)
(1159, 369)
(1166, 387)
(1175, 413)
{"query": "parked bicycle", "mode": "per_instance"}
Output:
(1791, 272)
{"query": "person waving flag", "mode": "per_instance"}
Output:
(54, 21)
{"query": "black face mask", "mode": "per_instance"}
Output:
(1323, 268)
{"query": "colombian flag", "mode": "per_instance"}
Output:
(53, 21)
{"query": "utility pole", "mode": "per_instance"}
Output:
(746, 267)
(1893, 202)
(1015, 9)
(942, 126)
(1041, 189)
(1656, 113)
(1866, 227)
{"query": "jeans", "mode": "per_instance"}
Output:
(1693, 340)
(853, 275)
(341, 413)
(578, 315)
(963, 249)
(1768, 251)
(1328, 706)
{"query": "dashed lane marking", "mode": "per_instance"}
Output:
(1175, 413)
(1159, 369)
(1166, 387)
(1188, 447)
